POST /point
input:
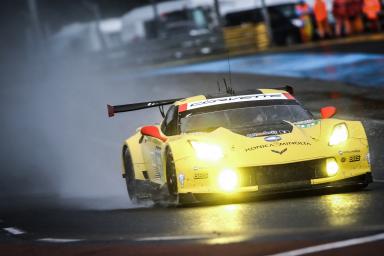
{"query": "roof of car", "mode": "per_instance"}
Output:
(221, 95)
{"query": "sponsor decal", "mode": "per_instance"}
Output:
(272, 138)
(234, 99)
(342, 159)
(280, 144)
(266, 133)
(200, 175)
(349, 152)
(279, 152)
(354, 158)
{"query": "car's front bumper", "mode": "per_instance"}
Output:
(190, 198)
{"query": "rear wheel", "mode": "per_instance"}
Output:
(171, 174)
(130, 176)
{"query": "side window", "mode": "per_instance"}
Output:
(169, 125)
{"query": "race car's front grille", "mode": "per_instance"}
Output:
(282, 173)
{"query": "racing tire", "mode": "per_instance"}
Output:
(171, 174)
(130, 176)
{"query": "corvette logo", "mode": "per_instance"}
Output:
(279, 152)
(234, 99)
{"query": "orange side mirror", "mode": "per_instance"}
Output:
(152, 131)
(327, 112)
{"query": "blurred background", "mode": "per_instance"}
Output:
(155, 31)
(62, 61)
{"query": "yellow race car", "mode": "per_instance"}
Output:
(236, 145)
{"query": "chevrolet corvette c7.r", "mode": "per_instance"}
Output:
(236, 145)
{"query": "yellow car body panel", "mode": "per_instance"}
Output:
(305, 143)
(239, 151)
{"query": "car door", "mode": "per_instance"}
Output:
(154, 148)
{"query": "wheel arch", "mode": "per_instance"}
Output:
(133, 146)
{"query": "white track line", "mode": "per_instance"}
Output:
(331, 246)
(167, 238)
(14, 231)
(59, 240)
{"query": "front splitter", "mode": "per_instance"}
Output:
(360, 181)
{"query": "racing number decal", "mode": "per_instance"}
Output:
(354, 158)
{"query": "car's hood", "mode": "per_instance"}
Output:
(302, 142)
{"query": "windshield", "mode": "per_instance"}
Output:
(243, 117)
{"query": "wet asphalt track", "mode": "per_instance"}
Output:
(267, 225)
(286, 222)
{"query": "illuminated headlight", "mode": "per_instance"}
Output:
(332, 167)
(339, 135)
(205, 151)
(227, 180)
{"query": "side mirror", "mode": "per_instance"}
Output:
(327, 112)
(152, 131)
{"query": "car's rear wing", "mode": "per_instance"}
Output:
(137, 106)
(160, 103)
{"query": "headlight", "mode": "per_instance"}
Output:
(227, 180)
(332, 167)
(339, 135)
(205, 151)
